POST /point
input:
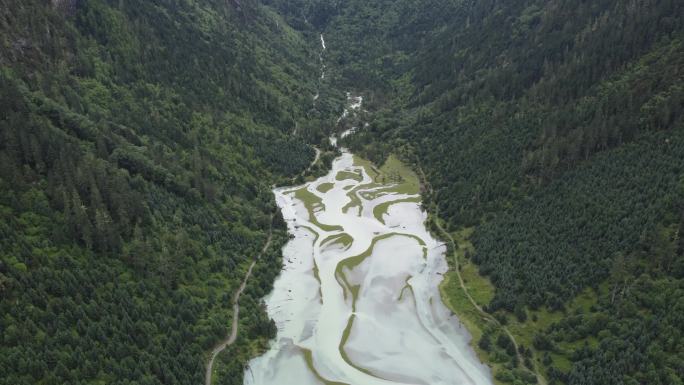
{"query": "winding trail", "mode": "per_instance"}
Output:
(236, 297)
(236, 314)
(540, 378)
(316, 158)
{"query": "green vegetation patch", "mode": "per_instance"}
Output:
(378, 192)
(368, 166)
(310, 200)
(479, 287)
(325, 187)
(353, 194)
(395, 171)
(344, 239)
(344, 175)
(312, 203)
(394, 177)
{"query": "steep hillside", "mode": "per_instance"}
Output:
(138, 144)
(552, 135)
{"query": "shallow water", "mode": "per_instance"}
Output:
(363, 312)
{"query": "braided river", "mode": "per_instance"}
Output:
(357, 301)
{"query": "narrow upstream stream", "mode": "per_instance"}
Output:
(357, 301)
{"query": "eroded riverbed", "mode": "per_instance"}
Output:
(358, 301)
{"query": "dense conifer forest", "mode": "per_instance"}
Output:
(553, 133)
(138, 144)
(139, 141)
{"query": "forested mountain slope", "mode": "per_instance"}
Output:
(553, 131)
(138, 144)
(139, 141)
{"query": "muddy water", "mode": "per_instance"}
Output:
(358, 301)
